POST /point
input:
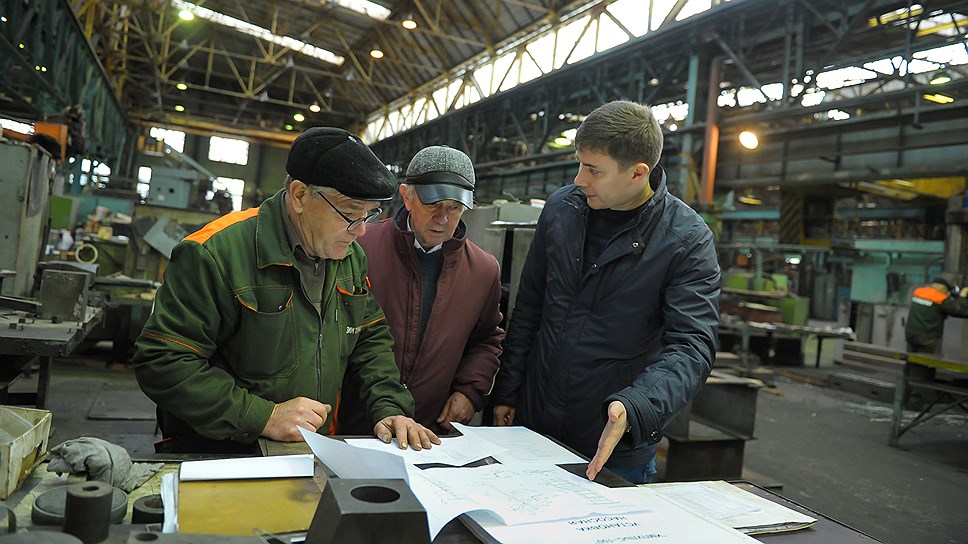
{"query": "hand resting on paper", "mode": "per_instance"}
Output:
(406, 431)
(298, 412)
(618, 423)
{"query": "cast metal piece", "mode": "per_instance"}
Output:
(63, 294)
(362, 511)
(148, 509)
(87, 511)
(49, 506)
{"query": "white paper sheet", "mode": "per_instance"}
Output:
(455, 451)
(522, 445)
(169, 502)
(656, 521)
(733, 506)
(280, 466)
(521, 494)
(349, 462)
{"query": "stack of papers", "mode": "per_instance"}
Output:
(654, 520)
(731, 505)
(524, 498)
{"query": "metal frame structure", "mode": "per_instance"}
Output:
(49, 66)
(246, 85)
(751, 42)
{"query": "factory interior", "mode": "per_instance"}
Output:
(824, 143)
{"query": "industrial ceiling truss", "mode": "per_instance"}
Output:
(48, 66)
(263, 69)
(859, 81)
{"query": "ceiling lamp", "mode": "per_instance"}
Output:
(376, 53)
(181, 86)
(748, 140)
(186, 15)
(179, 107)
(408, 22)
(939, 98)
(314, 107)
(298, 117)
(940, 78)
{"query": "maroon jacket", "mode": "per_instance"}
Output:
(462, 340)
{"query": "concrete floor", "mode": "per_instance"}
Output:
(823, 448)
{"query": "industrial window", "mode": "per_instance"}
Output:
(144, 181)
(174, 138)
(94, 172)
(16, 126)
(233, 186)
(228, 150)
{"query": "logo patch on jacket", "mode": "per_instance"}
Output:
(353, 330)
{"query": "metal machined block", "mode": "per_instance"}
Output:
(368, 512)
(63, 295)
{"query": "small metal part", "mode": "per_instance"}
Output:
(87, 511)
(48, 507)
(148, 509)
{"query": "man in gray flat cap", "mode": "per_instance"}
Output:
(263, 312)
(441, 294)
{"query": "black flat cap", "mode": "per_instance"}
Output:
(332, 157)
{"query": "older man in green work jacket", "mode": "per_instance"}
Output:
(263, 312)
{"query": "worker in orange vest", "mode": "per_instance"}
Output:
(930, 305)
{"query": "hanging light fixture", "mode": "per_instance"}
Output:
(376, 53)
(940, 78)
(314, 107)
(409, 22)
(748, 140)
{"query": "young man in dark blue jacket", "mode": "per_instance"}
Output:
(615, 323)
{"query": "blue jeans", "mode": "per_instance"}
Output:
(638, 474)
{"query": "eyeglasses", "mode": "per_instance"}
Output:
(369, 217)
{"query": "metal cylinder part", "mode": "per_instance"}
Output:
(87, 512)
(148, 509)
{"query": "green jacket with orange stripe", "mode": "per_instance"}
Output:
(232, 333)
(925, 322)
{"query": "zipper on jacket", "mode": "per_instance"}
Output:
(319, 347)
(584, 219)
(320, 320)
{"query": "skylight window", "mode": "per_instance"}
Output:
(228, 150)
(366, 8)
(174, 138)
(259, 32)
(233, 186)
(950, 54)
(844, 77)
(17, 126)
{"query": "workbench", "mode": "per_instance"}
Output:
(825, 531)
(25, 340)
(949, 394)
(774, 331)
